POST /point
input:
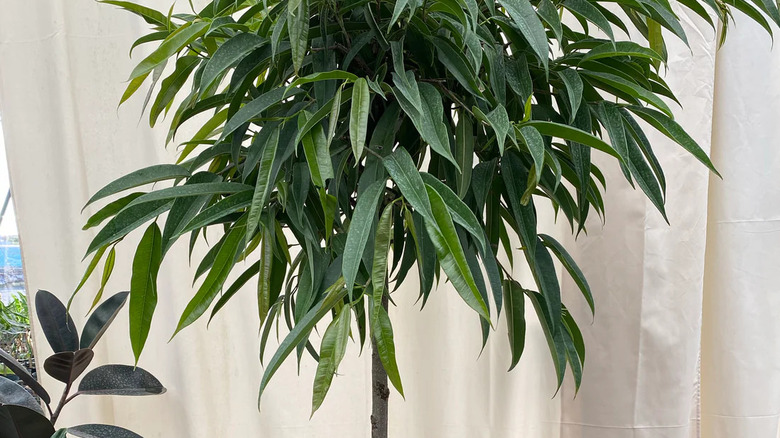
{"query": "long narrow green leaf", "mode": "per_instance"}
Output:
(426, 115)
(264, 273)
(533, 140)
(208, 290)
(189, 190)
(547, 280)
(591, 13)
(674, 131)
(298, 28)
(514, 177)
(571, 266)
(219, 210)
(263, 185)
(381, 247)
(183, 36)
(573, 134)
(573, 83)
(229, 53)
(149, 15)
(143, 287)
(382, 331)
(358, 118)
(334, 294)
(334, 345)
(464, 152)
(253, 109)
(147, 175)
(88, 273)
(554, 336)
(461, 213)
(359, 231)
(515, 319)
(621, 48)
(127, 221)
(324, 76)
(315, 148)
(108, 269)
(450, 253)
(402, 170)
(524, 15)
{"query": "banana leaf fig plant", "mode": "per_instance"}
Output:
(340, 143)
(21, 415)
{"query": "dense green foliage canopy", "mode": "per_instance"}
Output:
(340, 143)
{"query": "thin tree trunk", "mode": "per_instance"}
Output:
(379, 391)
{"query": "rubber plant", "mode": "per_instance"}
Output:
(339, 143)
(21, 415)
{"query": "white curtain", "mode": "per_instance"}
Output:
(686, 338)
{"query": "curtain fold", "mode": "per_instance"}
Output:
(706, 285)
(741, 328)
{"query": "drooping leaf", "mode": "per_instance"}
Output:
(524, 16)
(108, 269)
(208, 290)
(464, 152)
(515, 319)
(514, 176)
(674, 131)
(402, 170)
(143, 287)
(461, 213)
(263, 184)
(264, 269)
(358, 118)
(426, 114)
(499, 121)
(333, 295)
(298, 28)
(382, 332)
(573, 83)
(88, 273)
(334, 345)
(591, 13)
(359, 230)
(450, 253)
(315, 148)
(554, 336)
(533, 140)
(381, 247)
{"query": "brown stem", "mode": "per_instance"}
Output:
(63, 401)
(380, 392)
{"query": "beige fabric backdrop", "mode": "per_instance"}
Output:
(62, 67)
